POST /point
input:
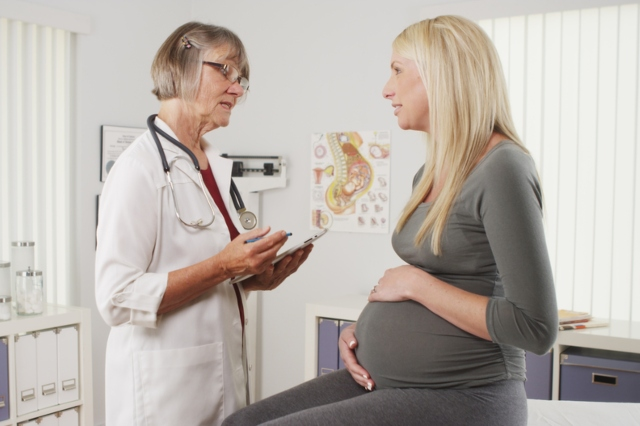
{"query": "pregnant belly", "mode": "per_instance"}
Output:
(403, 344)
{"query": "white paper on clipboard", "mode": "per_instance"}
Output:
(287, 250)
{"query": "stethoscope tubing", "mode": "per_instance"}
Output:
(238, 203)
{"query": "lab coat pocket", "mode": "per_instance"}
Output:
(179, 386)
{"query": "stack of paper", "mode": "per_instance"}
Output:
(575, 320)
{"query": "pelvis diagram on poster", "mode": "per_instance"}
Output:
(350, 181)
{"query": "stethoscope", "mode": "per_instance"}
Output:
(248, 220)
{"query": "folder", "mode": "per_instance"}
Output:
(327, 345)
(4, 379)
(47, 360)
(69, 417)
(26, 374)
(68, 366)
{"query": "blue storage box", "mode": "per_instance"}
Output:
(599, 375)
(539, 371)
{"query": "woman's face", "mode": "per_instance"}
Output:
(407, 94)
(217, 96)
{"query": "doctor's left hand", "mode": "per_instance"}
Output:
(274, 275)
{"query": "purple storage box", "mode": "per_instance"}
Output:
(599, 375)
(539, 368)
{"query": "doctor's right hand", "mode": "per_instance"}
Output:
(347, 345)
(239, 258)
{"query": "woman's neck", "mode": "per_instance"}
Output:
(187, 127)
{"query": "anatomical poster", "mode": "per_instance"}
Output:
(350, 181)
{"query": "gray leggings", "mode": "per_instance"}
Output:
(336, 399)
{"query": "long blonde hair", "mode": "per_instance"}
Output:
(468, 101)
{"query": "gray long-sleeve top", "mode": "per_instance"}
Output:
(493, 245)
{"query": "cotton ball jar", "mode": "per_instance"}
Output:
(29, 292)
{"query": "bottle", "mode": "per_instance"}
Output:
(5, 308)
(5, 278)
(29, 292)
(22, 255)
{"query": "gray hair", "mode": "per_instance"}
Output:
(177, 66)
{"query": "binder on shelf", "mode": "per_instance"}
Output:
(343, 324)
(69, 417)
(68, 366)
(47, 361)
(327, 345)
(4, 379)
(26, 374)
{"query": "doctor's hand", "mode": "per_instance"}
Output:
(274, 275)
(347, 345)
(242, 258)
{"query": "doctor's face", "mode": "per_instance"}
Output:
(407, 94)
(217, 96)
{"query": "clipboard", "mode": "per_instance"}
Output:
(287, 251)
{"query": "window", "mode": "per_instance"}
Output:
(36, 148)
(573, 83)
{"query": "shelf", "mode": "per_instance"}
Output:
(54, 316)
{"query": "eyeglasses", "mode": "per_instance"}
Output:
(231, 73)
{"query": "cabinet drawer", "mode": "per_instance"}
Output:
(599, 375)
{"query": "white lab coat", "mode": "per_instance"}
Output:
(186, 367)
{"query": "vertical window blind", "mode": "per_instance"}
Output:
(573, 83)
(36, 150)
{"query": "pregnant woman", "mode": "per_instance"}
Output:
(443, 338)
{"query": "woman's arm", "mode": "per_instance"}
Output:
(526, 317)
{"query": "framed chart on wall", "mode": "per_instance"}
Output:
(114, 140)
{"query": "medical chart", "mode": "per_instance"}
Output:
(350, 181)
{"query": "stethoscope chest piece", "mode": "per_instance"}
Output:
(248, 220)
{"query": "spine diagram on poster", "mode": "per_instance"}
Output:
(353, 175)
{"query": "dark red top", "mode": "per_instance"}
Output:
(212, 186)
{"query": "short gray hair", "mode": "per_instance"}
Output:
(177, 65)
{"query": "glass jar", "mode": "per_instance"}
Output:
(22, 256)
(5, 278)
(30, 295)
(5, 308)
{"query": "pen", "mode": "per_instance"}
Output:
(253, 240)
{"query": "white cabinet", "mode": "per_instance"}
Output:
(49, 367)
(620, 336)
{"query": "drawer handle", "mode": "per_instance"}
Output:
(2, 403)
(603, 379)
(69, 384)
(48, 389)
(28, 395)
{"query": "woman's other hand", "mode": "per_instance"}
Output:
(274, 275)
(347, 345)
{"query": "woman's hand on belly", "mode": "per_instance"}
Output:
(394, 285)
(461, 308)
(347, 345)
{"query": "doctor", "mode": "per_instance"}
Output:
(168, 245)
